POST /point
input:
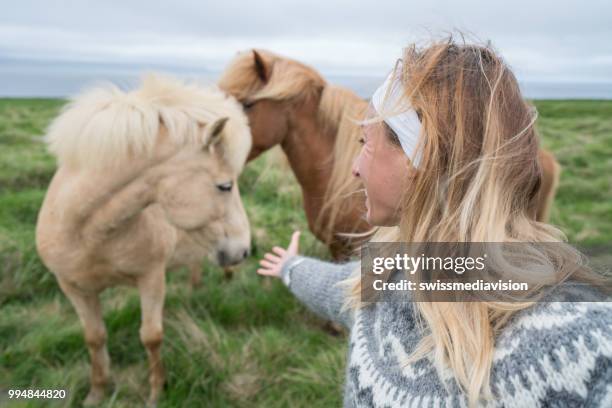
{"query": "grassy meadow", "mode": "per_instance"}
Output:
(242, 342)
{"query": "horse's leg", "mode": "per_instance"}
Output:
(152, 288)
(195, 270)
(89, 311)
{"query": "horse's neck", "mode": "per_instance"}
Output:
(312, 140)
(119, 200)
(115, 196)
(309, 149)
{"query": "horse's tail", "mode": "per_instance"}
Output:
(551, 171)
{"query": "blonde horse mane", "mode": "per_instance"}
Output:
(105, 126)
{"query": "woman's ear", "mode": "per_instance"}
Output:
(214, 133)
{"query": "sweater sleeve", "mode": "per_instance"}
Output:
(314, 283)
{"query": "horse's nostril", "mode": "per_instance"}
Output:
(245, 254)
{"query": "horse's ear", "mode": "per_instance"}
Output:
(214, 133)
(260, 67)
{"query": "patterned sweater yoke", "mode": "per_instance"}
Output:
(555, 354)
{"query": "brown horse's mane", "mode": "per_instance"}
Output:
(287, 79)
(338, 110)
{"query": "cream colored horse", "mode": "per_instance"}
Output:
(146, 181)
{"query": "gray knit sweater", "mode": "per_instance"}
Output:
(551, 355)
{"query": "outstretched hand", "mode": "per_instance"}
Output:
(273, 262)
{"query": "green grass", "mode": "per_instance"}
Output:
(580, 135)
(244, 342)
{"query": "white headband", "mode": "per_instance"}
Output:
(391, 104)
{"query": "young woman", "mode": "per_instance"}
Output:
(449, 155)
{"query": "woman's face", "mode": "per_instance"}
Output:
(385, 172)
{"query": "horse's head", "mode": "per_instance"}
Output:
(199, 193)
(273, 90)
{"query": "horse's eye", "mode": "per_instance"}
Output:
(225, 187)
(248, 104)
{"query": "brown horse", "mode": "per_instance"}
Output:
(291, 104)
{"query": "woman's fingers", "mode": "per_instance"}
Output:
(268, 264)
(272, 258)
(279, 251)
(272, 262)
(267, 272)
(295, 241)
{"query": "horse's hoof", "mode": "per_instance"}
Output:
(94, 397)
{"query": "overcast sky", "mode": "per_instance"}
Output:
(542, 40)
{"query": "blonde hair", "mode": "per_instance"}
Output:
(104, 126)
(477, 182)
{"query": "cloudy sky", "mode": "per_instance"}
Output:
(542, 40)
